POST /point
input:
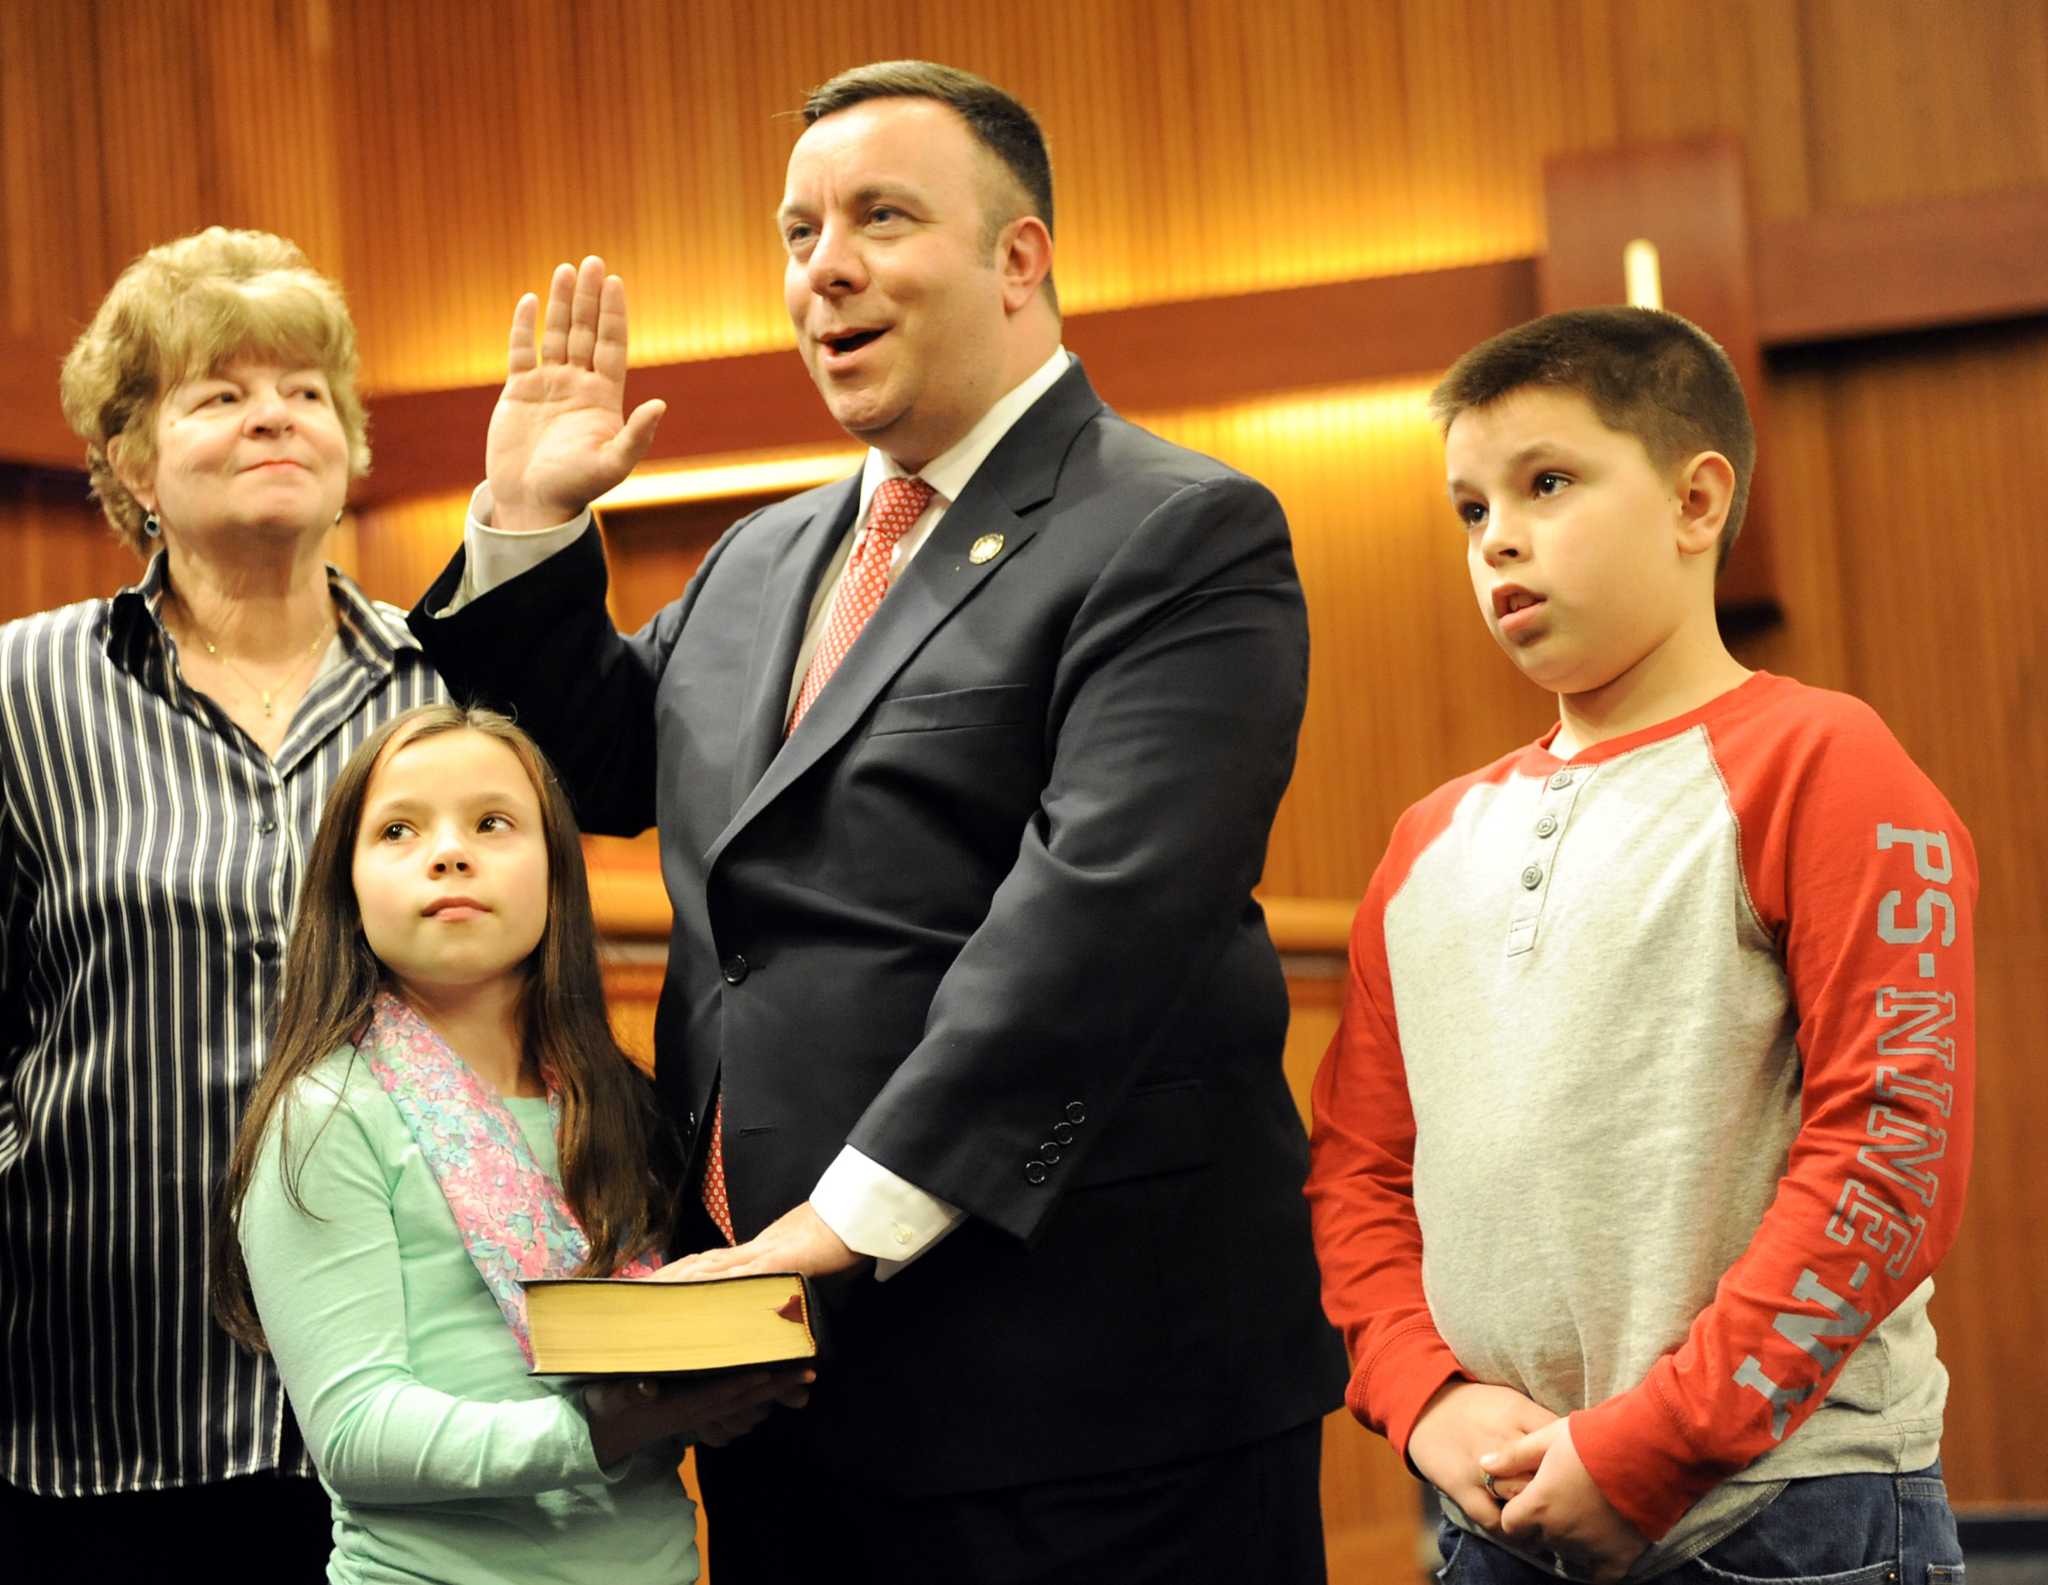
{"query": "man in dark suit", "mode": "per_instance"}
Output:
(963, 769)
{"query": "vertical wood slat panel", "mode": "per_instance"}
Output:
(1922, 461)
(1202, 149)
(55, 545)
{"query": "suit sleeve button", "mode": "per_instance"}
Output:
(1049, 1152)
(1034, 1171)
(735, 969)
(1063, 1132)
(1076, 1112)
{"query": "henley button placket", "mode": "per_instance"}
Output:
(1554, 802)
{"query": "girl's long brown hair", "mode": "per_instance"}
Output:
(617, 1152)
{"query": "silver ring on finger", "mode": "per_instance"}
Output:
(1486, 1480)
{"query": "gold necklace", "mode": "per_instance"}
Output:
(269, 695)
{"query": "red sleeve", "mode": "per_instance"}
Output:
(1361, 1186)
(1865, 877)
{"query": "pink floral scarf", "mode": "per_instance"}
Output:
(513, 1218)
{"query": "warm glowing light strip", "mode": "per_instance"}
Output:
(1642, 271)
(672, 486)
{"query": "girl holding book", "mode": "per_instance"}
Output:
(445, 1112)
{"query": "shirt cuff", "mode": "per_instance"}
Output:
(876, 1213)
(493, 557)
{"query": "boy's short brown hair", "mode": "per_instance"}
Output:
(1647, 373)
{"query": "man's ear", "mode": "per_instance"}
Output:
(1024, 256)
(1706, 495)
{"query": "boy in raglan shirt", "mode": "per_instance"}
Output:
(1649, 1115)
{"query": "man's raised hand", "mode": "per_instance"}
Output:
(558, 438)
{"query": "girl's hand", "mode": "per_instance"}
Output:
(626, 1416)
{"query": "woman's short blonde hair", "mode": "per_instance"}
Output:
(181, 311)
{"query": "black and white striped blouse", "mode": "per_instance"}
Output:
(150, 858)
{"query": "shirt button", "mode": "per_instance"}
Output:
(903, 1236)
(1532, 878)
(735, 969)
(1547, 826)
(265, 827)
(1561, 780)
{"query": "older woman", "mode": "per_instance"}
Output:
(163, 758)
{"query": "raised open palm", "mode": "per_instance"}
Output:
(559, 438)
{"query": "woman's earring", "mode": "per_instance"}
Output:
(151, 528)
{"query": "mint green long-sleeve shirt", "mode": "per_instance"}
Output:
(445, 1460)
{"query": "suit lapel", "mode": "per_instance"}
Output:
(792, 582)
(1019, 476)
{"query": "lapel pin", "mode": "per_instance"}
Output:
(986, 548)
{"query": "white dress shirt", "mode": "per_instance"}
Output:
(873, 1211)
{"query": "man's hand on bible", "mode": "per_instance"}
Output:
(798, 1241)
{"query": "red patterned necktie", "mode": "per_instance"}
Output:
(897, 505)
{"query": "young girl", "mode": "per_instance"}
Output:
(445, 1112)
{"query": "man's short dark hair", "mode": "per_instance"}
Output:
(1647, 373)
(999, 123)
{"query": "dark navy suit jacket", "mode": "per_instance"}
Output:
(986, 915)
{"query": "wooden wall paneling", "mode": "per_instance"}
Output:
(35, 432)
(52, 216)
(675, 179)
(56, 546)
(1318, 140)
(1915, 264)
(654, 551)
(1685, 69)
(1908, 450)
(1795, 464)
(1905, 100)
(1945, 260)
(1177, 354)
(1691, 201)
(400, 547)
(215, 113)
(632, 987)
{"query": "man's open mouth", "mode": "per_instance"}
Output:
(851, 341)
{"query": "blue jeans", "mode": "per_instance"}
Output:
(1827, 1530)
